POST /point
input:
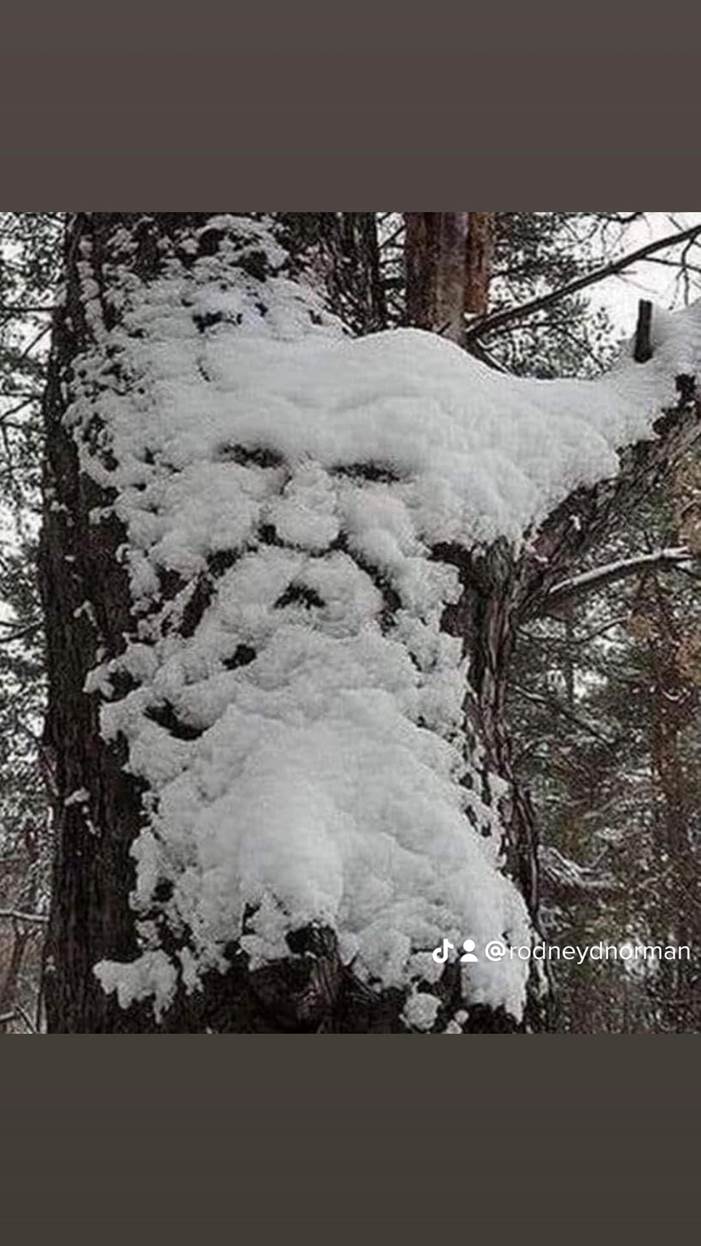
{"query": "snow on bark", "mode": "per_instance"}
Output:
(293, 705)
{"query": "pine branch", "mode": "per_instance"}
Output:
(553, 703)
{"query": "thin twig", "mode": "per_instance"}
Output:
(17, 915)
(24, 1016)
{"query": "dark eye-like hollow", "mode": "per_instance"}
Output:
(243, 655)
(299, 594)
(383, 473)
(247, 456)
(166, 717)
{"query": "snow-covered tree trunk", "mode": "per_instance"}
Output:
(87, 606)
(283, 573)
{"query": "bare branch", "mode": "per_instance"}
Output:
(601, 631)
(24, 1016)
(17, 915)
(35, 341)
(4, 416)
(503, 319)
(25, 309)
(598, 577)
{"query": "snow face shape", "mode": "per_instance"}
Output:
(296, 710)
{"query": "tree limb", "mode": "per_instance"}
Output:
(588, 513)
(503, 319)
(17, 915)
(24, 1016)
(598, 577)
(25, 309)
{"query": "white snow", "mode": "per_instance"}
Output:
(328, 781)
(152, 975)
(80, 796)
(420, 1010)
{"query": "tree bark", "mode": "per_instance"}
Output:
(435, 250)
(448, 258)
(478, 263)
(673, 708)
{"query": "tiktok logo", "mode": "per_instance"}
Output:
(442, 953)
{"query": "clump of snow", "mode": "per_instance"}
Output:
(317, 771)
(420, 1010)
(80, 796)
(153, 975)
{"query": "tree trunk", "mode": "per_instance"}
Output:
(448, 258)
(100, 804)
(93, 874)
(674, 707)
(435, 250)
(478, 266)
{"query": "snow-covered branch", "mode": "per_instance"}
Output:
(611, 572)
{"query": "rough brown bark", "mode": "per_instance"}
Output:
(478, 262)
(448, 257)
(435, 251)
(673, 705)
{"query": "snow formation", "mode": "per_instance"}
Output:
(294, 707)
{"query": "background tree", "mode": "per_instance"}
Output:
(29, 264)
(605, 707)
